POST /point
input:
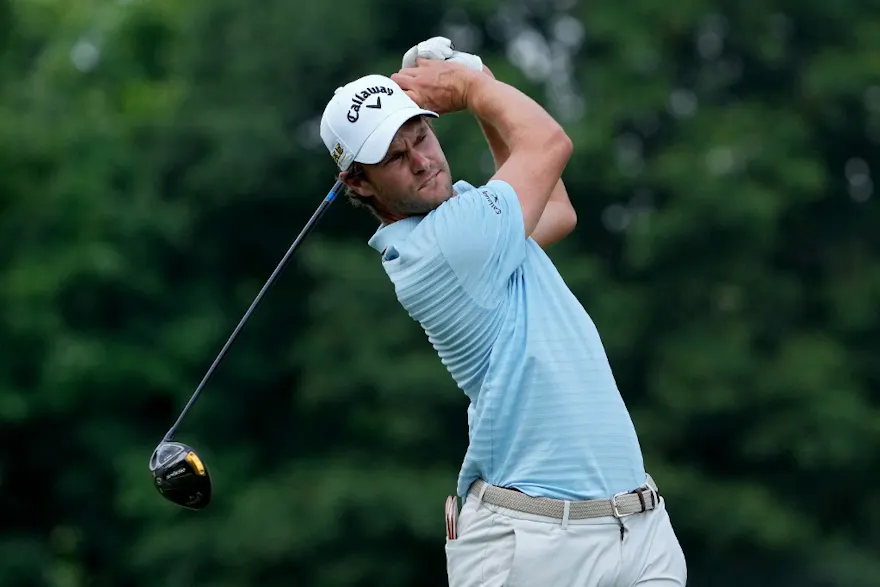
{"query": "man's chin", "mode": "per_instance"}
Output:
(438, 192)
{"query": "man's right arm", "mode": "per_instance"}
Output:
(539, 147)
(559, 217)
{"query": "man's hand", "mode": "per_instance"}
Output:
(440, 86)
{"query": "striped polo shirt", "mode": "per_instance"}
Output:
(545, 415)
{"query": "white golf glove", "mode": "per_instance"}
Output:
(440, 48)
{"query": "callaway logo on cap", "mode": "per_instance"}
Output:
(361, 119)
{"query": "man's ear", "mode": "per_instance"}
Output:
(357, 183)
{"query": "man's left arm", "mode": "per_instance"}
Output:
(559, 217)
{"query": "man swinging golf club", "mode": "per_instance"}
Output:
(554, 487)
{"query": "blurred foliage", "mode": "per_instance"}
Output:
(157, 158)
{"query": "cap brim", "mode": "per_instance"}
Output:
(376, 146)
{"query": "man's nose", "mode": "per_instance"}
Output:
(418, 161)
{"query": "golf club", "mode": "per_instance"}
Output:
(179, 474)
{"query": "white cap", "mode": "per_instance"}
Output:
(361, 119)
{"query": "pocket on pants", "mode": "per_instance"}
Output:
(664, 558)
(482, 554)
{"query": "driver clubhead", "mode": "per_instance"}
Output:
(180, 475)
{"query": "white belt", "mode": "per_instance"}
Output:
(621, 505)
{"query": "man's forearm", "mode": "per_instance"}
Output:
(499, 149)
(558, 219)
(519, 121)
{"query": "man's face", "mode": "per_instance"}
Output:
(412, 179)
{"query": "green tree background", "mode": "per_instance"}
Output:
(158, 157)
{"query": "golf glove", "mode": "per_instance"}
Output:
(440, 48)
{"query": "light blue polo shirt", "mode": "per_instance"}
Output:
(545, 414)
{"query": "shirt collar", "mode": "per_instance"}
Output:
(396, 231)
(387, 234)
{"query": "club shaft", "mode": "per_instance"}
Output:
(337, 188)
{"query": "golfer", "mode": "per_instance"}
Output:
(553, 485)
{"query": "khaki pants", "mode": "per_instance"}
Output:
(497, 547)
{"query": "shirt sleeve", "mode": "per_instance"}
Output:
(481, 235)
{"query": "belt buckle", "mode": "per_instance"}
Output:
(615, 509)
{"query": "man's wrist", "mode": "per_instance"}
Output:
(475, 82)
